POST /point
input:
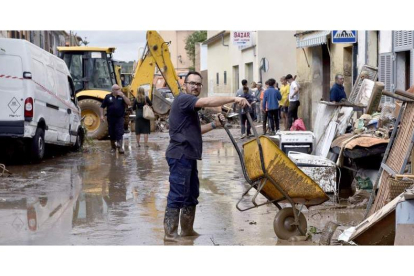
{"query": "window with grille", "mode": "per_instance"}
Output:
(217, 79)
(403, 40)
(225, 78)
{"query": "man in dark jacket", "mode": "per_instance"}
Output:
(115, 104)
(250, 99)
(337, 91)
(271, 99)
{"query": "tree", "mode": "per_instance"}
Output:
(190, 42)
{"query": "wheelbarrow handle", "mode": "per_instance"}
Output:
(240, 154)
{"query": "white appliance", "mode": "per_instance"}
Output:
(299, 141)
(320, 169)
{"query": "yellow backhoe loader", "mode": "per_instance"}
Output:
(93, 72)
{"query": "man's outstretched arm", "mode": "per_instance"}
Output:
(219, 101)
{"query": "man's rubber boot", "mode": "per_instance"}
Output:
(172, 216)
(120, 146)
(113, 146)
(187, 221)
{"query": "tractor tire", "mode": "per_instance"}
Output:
(90, 110)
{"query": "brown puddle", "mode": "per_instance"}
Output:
(110, 199)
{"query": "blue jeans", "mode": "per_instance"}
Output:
(184, 183)
(274, 118)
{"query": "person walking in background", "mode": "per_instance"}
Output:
(294, 102)
(284, 102)
(115, 104)
(253, 89)
(240, 93)
(258, 104)
(142, 125)
(250, 99)
(264, 108)
(271, 100)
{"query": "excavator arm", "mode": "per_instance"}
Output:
(156, 53)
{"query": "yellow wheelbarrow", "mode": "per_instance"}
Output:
(267, 169)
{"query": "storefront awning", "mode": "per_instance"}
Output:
(311, 38)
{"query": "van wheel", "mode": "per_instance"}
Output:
(90, 110)
(38, 145)
(79, 140)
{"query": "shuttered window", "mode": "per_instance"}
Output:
(412, 68)
(386, 74)
(403, 40)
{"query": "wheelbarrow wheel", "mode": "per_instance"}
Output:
(283, 224)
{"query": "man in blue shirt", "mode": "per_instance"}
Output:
(243, 115)
(337, 90)
(184, 150)
(271, 99)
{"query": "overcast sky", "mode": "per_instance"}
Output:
(127, 43)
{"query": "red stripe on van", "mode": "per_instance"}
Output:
(46, 90)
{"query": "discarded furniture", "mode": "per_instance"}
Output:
(372, 75)
(299, 141)
(320, 169)
(363, 145)
(332, 119)
(396, 155)
(381, 227)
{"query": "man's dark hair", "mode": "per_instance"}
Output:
(272, 82)
(192, 73)
(267, 82)
(244, 82)
(289, 76)
(245, 89)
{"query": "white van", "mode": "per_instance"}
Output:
(37, 100)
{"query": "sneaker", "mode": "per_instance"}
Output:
(243, 136)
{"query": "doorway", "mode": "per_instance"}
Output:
(326, 72)
(403, 70)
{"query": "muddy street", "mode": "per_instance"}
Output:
(102, 198)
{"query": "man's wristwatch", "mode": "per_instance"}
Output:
(213, 125)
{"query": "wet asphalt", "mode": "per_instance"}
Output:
(96, 197)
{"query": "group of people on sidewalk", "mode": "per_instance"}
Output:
(269, 104)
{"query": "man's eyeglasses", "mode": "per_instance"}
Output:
(198, 84)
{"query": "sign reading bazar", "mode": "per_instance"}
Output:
(241, 38)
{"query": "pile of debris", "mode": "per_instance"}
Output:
(371, 144)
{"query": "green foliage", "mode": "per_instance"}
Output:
(190, 42)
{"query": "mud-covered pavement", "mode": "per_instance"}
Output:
(102, 198)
